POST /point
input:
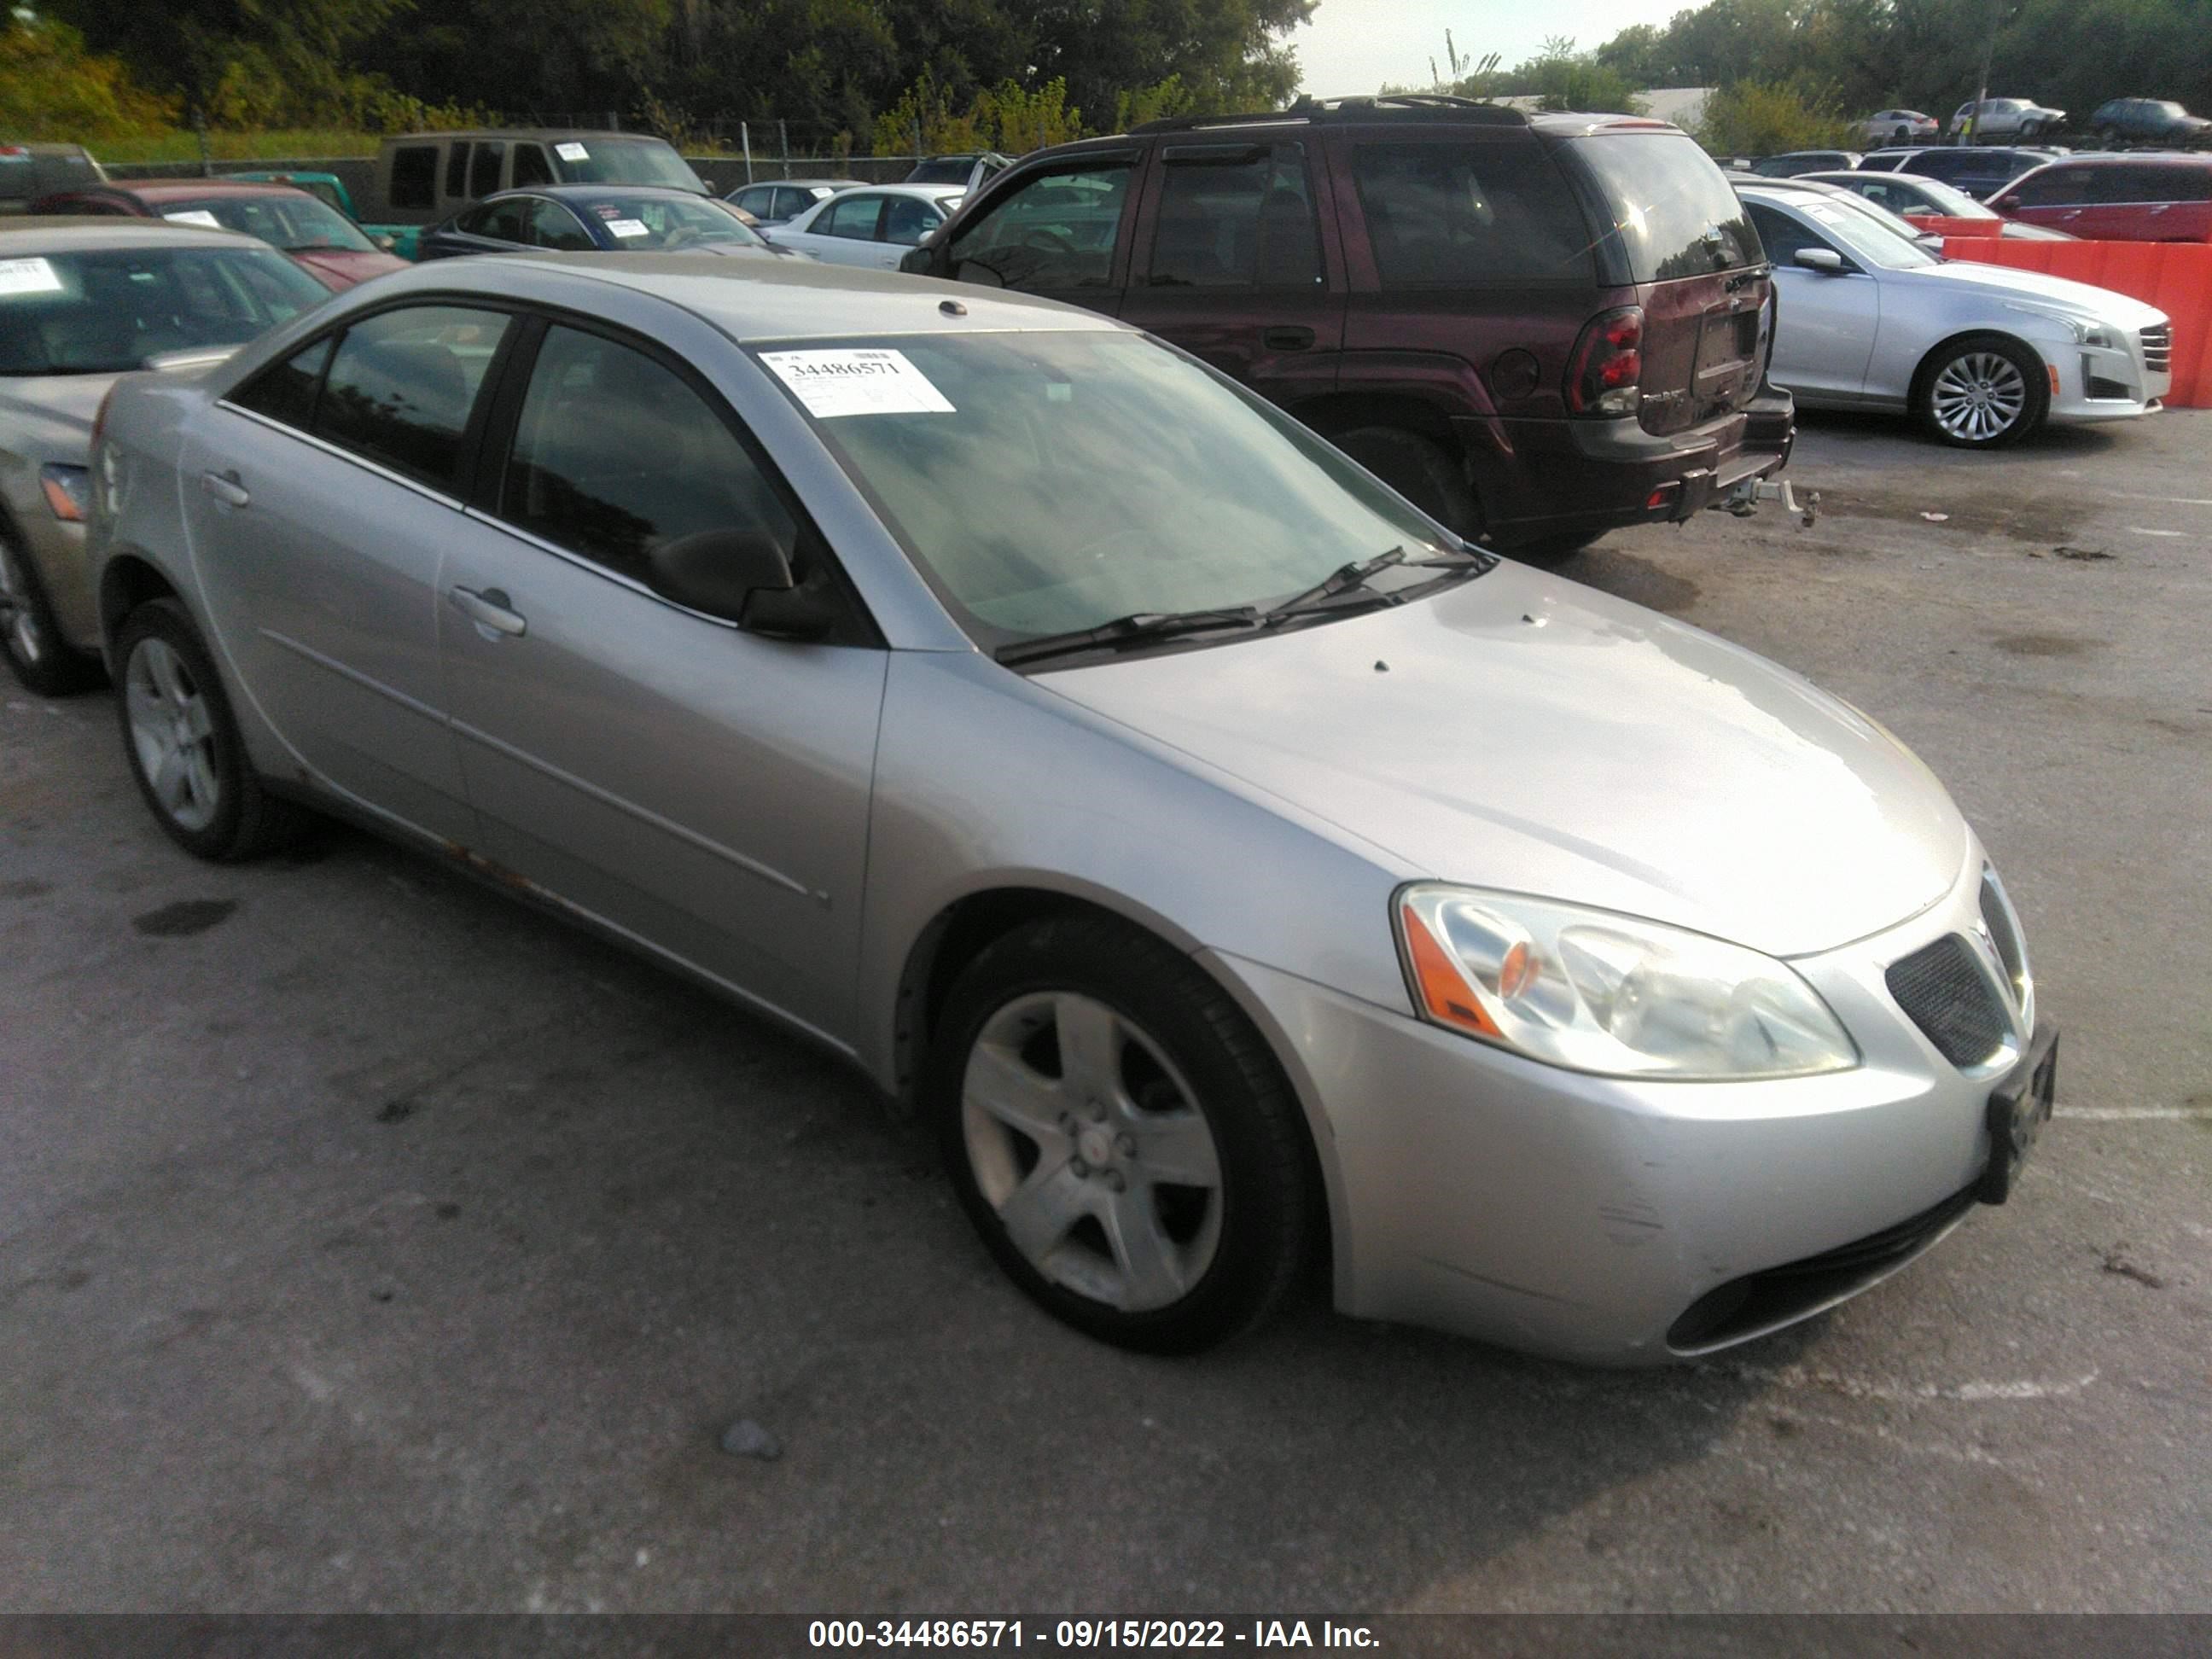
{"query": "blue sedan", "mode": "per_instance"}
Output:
(596, 218)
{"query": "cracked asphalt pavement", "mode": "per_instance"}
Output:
(369, 1242)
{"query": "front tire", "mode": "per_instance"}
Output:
(30, 638)
(182, 742)
(1120, 1137)
(1984, 391)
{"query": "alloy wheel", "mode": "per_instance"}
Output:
(1091, 1149)
(172, 734)
(25, 639)
(1978, 396)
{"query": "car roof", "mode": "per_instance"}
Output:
(928, 192)
(23, 235)
(769, 300)
(2130, 158)
(804, 183)
(540, 134)
(585, 192)
(171, 189)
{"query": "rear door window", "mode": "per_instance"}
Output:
(1674, 212)
(853, 218)
(1460, 215)
(1238, 219)
(501, 221)
(483, 168)
(907, 219)
(552, 226)
(1058, 230)
(2059, 187)
(414, 176)
(615, 454)
(401, 384)
(457, 172)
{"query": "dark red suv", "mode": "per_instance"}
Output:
(2129, 197)
(1538, 328)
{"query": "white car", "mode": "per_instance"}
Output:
(1980, 354)
(873, 226)
(1899, 126)
(2006, 118)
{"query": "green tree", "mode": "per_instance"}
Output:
(51, 89)
(296, 50)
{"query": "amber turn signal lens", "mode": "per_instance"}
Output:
(1444, 993)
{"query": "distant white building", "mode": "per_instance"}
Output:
(1684, 106)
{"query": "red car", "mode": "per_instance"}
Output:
(2135, 197)
(319, 238)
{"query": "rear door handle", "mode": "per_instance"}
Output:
(225, 488)
(1286, 338)
(491, 611)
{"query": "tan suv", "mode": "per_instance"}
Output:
(425, 176)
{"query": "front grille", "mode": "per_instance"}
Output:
(2158, 348)
(1943, 990)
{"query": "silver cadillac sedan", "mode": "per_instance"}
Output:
(1240, 873)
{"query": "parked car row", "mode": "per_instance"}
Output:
(2124, 196)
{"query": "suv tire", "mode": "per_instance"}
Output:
(1419, 468)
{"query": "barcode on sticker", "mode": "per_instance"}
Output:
(860, 382)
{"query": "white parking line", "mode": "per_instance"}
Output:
(2131, 1114)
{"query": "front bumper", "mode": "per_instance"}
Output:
(2104, 383)
(1540, 479)
(1581, 1216)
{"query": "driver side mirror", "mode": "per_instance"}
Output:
(742, 576)
(915, 261)
(2007, 204)
(1826, 260)
(385, 244)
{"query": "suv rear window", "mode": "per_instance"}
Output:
(1673, 211)
(1458, 213)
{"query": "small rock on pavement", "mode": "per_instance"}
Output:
(746, 1438)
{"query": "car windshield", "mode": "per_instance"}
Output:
(1949, 199)
(298, 223)
(623, 161)
(1873, 235)
(647, 223)
(1047, 483)
(103, 312)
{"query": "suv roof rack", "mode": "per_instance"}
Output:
(1392, 106)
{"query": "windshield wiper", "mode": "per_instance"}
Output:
(1137, 628)
(1342, 580)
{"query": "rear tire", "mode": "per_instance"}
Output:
(182, 742)
(1419, 468)
(30, 638)
(1121, 1136)
(1554, 549)
(1984, 391)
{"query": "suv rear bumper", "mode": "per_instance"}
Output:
(1615, 472)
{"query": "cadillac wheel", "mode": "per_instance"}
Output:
(1984, 392)
(1120, 1136)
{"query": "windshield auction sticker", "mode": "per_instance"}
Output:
(627, 227)
(831, 384)
(193, 216)
(28, 276)
(572, 152)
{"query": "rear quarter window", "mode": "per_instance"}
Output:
(1674, 212)
(1458, 213)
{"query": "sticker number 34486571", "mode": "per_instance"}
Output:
(857, 382)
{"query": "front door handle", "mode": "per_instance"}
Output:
(491, 611)
(225, 488)
(1286, 338)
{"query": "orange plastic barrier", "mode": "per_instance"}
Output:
(2175, 276)
(1944, 225)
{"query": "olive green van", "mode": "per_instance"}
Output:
(424, 176)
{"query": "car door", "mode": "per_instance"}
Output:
(320, 499)
(1063, 233)
(2157, 202)
(699, 787)
(842, 231)
(1827, 323)
(1232, 265)
(2055, 196)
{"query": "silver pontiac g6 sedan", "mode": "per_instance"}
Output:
(1236, 869)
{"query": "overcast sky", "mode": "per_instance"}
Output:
(1355, 46)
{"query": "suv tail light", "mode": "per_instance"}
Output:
(1602, 375)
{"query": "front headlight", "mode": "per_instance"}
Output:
(1613, 995)
(2083, 333)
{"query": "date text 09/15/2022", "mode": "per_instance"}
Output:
(1166, 1634)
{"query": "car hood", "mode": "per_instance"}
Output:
(1520, 732)
(341, 268)
(2038, 288)
(60, 407)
